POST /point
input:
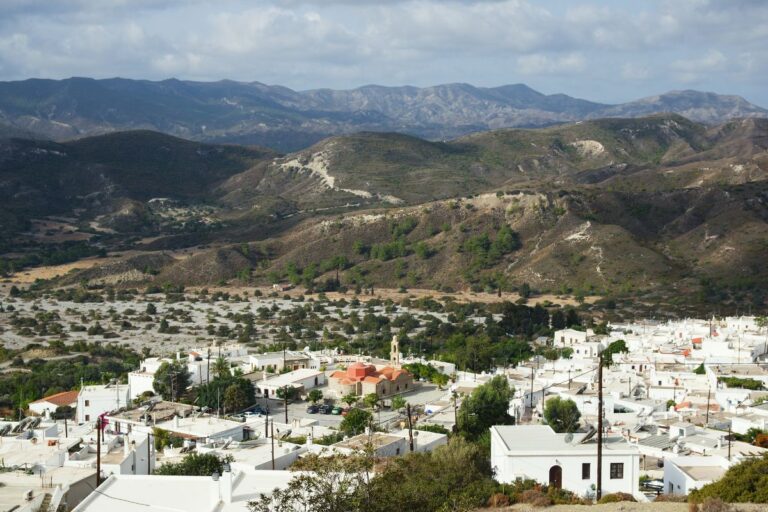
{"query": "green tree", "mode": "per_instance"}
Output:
(488, 405)
(350, 399)
(398, 403)
(195, 464)
(371, 400)
(171, 380)
(562, 415)
(235, 398)
(220, 368)
(315, 395)
(616, 347)
(355, 422)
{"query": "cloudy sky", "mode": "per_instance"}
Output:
(603, 50)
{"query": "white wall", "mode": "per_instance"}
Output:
(100, 401)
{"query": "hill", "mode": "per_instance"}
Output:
(658, 206)
(288, 120)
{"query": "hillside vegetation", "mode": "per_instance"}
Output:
(659, 207)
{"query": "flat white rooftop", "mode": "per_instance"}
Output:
(132, 493)
(541, 439)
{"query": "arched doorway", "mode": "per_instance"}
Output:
(556, 477)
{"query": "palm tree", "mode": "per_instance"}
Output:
(221, 368)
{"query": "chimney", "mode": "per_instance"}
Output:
(176, 421)
(226, 484)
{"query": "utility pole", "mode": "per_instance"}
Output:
(272, 438)
(455, 413)
(729, 444)
(98, 451)
(410, 426)
(285, 402)
(709, 393)
(149, 453)
(208, 367)
(532, 375)
(599, 492)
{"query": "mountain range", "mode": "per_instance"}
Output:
(288, 120)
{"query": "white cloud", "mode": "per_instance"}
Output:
(540, 64)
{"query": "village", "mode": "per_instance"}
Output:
(682, 401)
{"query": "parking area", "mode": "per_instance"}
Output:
(426, 393)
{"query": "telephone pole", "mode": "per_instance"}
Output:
(599, 491)
(98, 451)
(410, 425)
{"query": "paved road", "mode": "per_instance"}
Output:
(425, 394)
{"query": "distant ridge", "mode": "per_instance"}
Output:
(288, 120)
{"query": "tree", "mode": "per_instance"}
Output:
(486, 406)
(220, 368)
(64, 412)
(558, 320)
(562, 415)
(614, 348)
(398, 403)
(371, 400)
(287, 392)
(234, 398)
(355, 422)
(315, 395)
(334, 484)
(195, 464)
(350, 399)
(171, 380)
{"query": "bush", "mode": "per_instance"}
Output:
(671, 498)
(715, 505)
(535, 497)
(746, 482)
(616, 498)
(498, 500)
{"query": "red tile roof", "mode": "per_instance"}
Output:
(65, 398)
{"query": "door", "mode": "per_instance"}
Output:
(556, 477)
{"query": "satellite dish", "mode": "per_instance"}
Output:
(568, 437)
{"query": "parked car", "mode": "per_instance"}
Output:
(326, 409)
(313, 409)
(345, 411)
(336, 410)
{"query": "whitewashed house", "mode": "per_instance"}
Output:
(95, 400)
(684, 474)
(562, 460)
(568, 337)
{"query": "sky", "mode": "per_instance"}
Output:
(602, 50)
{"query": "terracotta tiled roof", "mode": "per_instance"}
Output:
(338, 374)
(65, 398)
(374, 380)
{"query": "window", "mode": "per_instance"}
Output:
(585, 471)
(87, 417)
(87, 403)
(617, 470)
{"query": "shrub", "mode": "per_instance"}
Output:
(616, 498)
(535, 497)
(671, 498)
(715, 505)
(498, 500)
(746, 482)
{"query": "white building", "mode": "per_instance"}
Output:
(47, 406)
(303, 380)
(95, 400)
(684, 474)
(568, 337)
(228, 492)
(562, 460)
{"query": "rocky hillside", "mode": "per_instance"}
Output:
(656, 206)
(287, 120)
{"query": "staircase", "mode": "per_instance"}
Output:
(46, 504)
